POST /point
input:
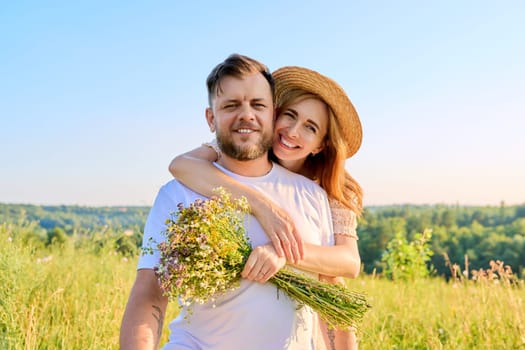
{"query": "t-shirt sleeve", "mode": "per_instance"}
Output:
(161, 210)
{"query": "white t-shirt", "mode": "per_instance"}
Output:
(254, 316)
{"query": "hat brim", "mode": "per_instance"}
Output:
(292, 77)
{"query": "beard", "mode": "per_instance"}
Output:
(244, 152)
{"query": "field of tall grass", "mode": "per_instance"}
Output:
(71, 296)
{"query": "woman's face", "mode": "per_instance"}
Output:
(299, 131)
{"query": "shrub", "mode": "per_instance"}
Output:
(405, 260)
(57, 236)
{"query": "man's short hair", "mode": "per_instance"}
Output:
(237, 66)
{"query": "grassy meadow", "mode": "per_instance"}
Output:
(72, 296)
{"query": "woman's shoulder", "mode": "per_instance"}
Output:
(344, 219)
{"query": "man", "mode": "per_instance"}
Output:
(256, 315)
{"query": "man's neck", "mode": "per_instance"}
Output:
(251, 168)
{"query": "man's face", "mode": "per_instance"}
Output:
(242, 117)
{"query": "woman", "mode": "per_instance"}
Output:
(316, 130)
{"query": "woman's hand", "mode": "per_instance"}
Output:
(262, 264)
(280, 228)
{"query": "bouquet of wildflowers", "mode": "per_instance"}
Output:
(205, 251)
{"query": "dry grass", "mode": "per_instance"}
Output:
(61, 298)
(484, 313)
(67, 298)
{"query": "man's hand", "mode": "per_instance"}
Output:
(262, 264)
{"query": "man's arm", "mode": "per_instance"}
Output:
(144, 316)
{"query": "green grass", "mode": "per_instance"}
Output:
(63, 297)
(73, 298)
(433, 314)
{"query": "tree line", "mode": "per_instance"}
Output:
(471, 234)
(475, 235)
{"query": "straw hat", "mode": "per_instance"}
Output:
(290, 78)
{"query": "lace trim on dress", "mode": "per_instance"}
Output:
(343, 218)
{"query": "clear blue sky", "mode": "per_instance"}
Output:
(96, 97)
